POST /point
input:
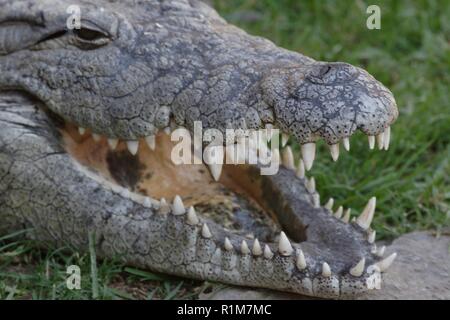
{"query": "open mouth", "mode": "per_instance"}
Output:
(243, 217)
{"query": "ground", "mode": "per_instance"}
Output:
(410, 55)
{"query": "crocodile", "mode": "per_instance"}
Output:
(87, 116)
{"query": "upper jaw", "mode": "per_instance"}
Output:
(329, 101)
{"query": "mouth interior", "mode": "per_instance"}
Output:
(234, 201)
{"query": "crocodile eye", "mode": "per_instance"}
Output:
(90, 38)
(89, 34)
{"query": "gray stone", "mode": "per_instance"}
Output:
(421, 271)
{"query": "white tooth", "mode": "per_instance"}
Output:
(275, 156)
(163, 206)
(256, 250)
(205, 231)
(216, 170)
(178, 206)
(192, 218)
(311, 185)
(167, 131)
(326, 271)
(380, 252)
(227, 245)
(244, 247)
(386, 263)
(334, 149)
(308, 154)
(267, 252)
(371, 237)
(358, 269)
(371, 142)
(288, 158)
(373, 249)
(96, 137)
(387, 138)
(346, 143)
(301, 169)
(125, 193)
(346, 217)
(133, 146)
(81, 131)
(301, 261)
(380, 141)
(284, 246)
(113, 143)
(284, 139)
(366, 216)
(316, 200)
(329, 204)
(147, 203)
(151, 142)
(339, 212)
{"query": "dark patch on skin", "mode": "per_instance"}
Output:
(124, 168)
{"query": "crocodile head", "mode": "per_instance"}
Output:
(135, 71)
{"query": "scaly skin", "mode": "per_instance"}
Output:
(132, 69)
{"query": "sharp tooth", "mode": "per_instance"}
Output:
(284, 139)
(301, 169)
(308, 154)
(373, 250)
(380, 141)
(387, 138)
(81, 131)
(275, 156)
(338, 213)
(178, 206)
(167, 131)
(216, 170)
(326, 271)
(96, 137)
(316, 200)
(346, 143)
(366, 216)
(244, 247)
(329, 204)
(205, 231)
(311, 185)
(147, 203)
(334, 149)
(256, 250)
(371, 237)
(301, 261)
(346, 217)
(288, 158)
(380, 252)
(151, 142)
(284, 246)
(163, 206)
(386, 263)
(371, 142)
(227, 245)
(267, 252)
(133, 146)
(358, 269)
(192, 218)
(113, 143)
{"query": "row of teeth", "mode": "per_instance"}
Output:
(308, 150)
(284, 245)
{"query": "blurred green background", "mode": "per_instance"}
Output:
(410, 55)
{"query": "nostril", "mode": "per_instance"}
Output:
(324, 70)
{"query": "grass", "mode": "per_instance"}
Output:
(410, 55)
